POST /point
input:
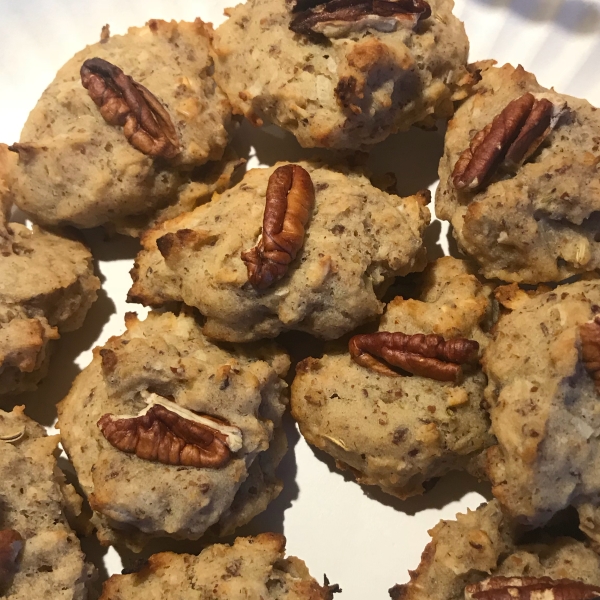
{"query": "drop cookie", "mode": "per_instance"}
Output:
(122, 126)
(195, 427)
(481, 555)
(253, 567)
(543, 398)
(519, 179)
(293, 247)
(40, 556)
(359, 404)
(342, 75)
(47, 285)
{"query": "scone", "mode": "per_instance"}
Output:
(519, 179)
(327, 241)
(480, 556)
(543, 397)
(252, 568)
(122, 127)
(394, 431)
(40, 556)
(47, 285)
(341, 75)
(171, 435)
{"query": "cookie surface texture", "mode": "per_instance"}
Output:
(484, 543)
(167, 357)
(358, 238)
(47, 285)
(76, 168)
(47, 561)
(349, 87)
(533, 222)
(252, 568)
(543, 402)
(400, 432)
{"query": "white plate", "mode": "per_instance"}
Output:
(366, 543)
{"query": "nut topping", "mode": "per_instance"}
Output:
(170, 434)
(424, 355)
(146, 123)
(290, 198)
(530, 588)
(590, 349)
(508, 141)
(337, 18)
(11, 544)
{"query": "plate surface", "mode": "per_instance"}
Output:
(362, 539)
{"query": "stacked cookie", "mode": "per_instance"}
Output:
(175, 428)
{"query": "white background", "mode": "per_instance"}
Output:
(361, 538)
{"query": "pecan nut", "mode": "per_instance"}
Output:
(290, 198)
(170, 434)
(508, 141)
(530, 588)
(11, 544)
(590, 349)
(124, 102)
(424, 355)
(336, 18)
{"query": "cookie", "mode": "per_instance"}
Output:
(401, 432)
(171, 435)
(253, 567)
(342, 78)
(543, 400)
(482, 549)
(40, 556)
(355, 240)
(122, 127)
(519, 179)
(47, 285)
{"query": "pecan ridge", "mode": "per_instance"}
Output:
(424, 355)
(336, 17)
(124, 102)
(170, 434)
(590, 349)
(530, 588)
(508, 141)
(290, 198)
(11, 544)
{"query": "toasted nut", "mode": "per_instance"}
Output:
(123, 102)
(337, 18)
(170, 434)
(290, 198)
(11, 544)
(590, 349)
(425, 355)
(510, 139)
(530, 588)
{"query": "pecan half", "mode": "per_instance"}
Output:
(336, 18)
(124, 102)
(170, 434)
(590, 349)
(530, 588)
(425, 355)
(290, 198)
(508, 141)
(11, 544)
